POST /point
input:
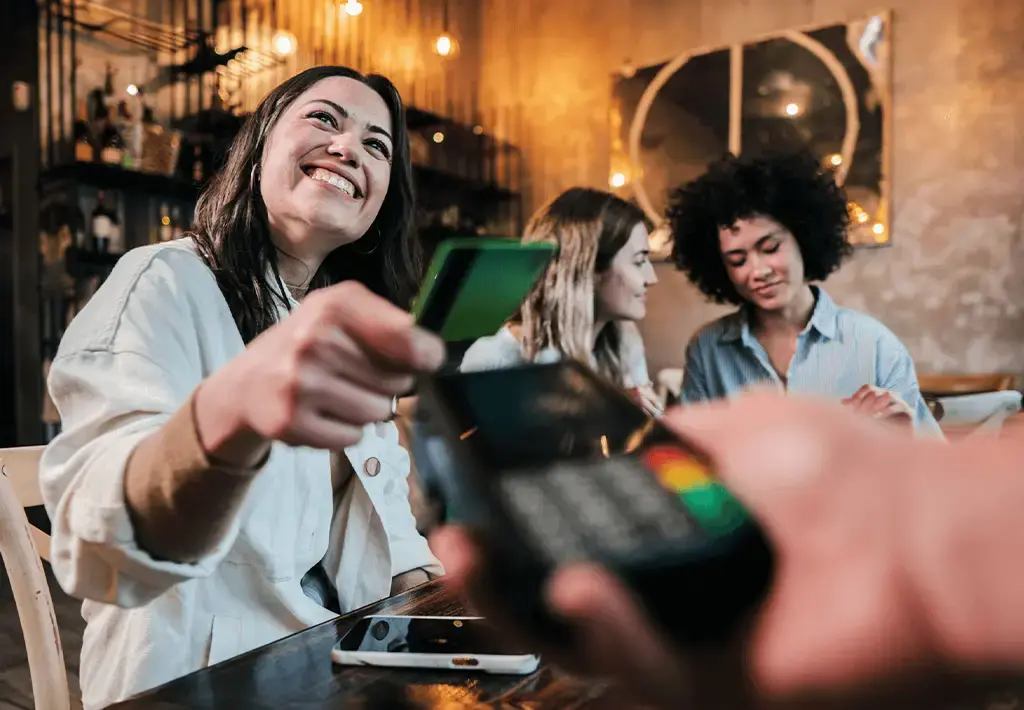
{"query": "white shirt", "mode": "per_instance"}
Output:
(503, 349)
(156, 328)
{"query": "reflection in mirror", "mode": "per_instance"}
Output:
(826, 89)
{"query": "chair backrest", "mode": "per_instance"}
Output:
(32, 598)
(21, 466)
(943, 385)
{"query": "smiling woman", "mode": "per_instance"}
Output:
(322, 164)
(228, 473)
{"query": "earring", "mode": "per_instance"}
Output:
(252, 177)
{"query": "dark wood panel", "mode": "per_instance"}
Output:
(297, 672)
(19, 267)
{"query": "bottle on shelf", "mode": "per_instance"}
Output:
(85, 151)
(198, 172)
(103, 220)
(176, 229)
(116, 241)
(109, 97)
(166, 232)
(130, 130)
(111, 144)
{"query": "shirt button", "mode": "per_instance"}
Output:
(371, 467)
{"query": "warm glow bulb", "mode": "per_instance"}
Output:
(478, 130)
(444, 45)
(878, 228)
(283, 42)
(617, 180)
(353, 7)
(438, 137)
(836, 159)
(132, 90)
(792, 109)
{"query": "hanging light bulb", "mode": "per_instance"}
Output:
(353, 7)
(284, 43)
(444, 45)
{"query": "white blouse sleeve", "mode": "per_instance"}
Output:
(493, 352)
(127, 362)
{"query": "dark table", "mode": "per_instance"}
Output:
(297, 672)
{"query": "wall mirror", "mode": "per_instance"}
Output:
(827, 88)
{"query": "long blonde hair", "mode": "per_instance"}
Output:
(589, 228)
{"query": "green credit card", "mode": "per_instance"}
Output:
(474, 285)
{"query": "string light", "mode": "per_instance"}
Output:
(444, 45)
(835, 159)
(284, 42)
(792, 109)
(132, 90)
(439, 137)
(353, 7)
(617, 180)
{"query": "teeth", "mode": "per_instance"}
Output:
(338, 181)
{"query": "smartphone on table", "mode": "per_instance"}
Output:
(460, 643)
(475, 284)
(550, 464)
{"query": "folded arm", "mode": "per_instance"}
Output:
(127, 464)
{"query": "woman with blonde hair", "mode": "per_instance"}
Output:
(587, 304)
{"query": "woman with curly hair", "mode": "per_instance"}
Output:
(588, 302)
(757, 232)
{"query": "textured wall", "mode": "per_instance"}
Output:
(951, 285)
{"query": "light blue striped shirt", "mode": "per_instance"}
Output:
(838, 352)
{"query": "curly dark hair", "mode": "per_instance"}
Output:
(791, 188)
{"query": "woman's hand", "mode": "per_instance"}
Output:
(880, 403)
(316, 378)
(648, 400)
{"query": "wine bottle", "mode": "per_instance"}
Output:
(166, 231)
(130, 131)
(102, 219)
(111, 144)
(109, 98)
(84, 149)
(197, 164)
(116, 243)
(176, 229)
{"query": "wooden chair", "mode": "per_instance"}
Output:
(22, 470)
(945, 385)
(19, 488)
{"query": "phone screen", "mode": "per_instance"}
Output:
(529, 416)
(416, 634)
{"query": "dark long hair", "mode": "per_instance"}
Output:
(589, 228)
(233, 237)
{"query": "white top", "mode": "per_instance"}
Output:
(503, 349)
(156, 328)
